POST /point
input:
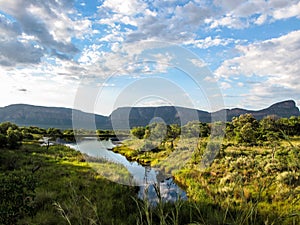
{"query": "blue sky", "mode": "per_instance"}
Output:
(100, 55)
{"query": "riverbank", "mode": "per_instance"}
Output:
(257, 183)
(130, 149)
(60, 186)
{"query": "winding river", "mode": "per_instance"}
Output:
(145, 177)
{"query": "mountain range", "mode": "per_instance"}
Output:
(29, 115)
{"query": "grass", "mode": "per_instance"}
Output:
(244, 185)
(66, 184)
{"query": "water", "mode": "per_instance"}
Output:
(143, 176)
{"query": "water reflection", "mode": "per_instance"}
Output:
(143, 176)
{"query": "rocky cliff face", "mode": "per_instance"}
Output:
(28, 115)
(280, 109)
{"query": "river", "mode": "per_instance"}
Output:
(144, 177)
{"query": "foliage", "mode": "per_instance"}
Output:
(195, 129)
(138, 132)
(17, 196)
(255, 179)
(10, 135)
(14, 138)
(54, 133)
(59, 178)
(3, 140)
(173, 131)
(156, 132)
(246, 129)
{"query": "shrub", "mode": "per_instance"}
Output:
(17, 195)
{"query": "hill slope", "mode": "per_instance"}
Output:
(28, 115)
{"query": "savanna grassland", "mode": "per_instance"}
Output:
(252, 178)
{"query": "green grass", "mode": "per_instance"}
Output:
(244, 185)
(66, 183)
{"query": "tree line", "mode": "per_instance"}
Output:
(243, 130)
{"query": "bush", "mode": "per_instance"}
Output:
(17, 195)
(3, 140)
(138, 132)
(14, 137)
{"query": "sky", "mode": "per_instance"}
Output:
(100, 55)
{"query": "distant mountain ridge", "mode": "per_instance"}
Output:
(29, 115)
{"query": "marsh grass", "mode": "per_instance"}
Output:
(158, 210)
(78, 209)
(244, 186)
(68, 187)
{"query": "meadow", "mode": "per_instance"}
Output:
(253, 178)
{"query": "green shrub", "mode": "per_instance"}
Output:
(17, 196)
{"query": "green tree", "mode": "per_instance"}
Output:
(173, 131)
(138, 132)
(26, 134)
(36, 130)
(5, 126)
(69, 135)
(3, 140)
(54, 133)
(196, 129)
(229, 131)
(246, 129)
(14, 138)
(157, 132)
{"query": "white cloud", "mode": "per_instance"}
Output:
(210, 42)
(198, 63)
(238, 14)
(37, 39)
(225, 85)
(287, 12)
(49, 25)
(129, 7)
(275, 61)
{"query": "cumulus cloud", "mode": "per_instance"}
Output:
(275, 60)
(169, 21)
(49, 24)
(52, 39)
(211, 42)
(239, 14)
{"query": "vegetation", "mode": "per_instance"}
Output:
(253, 179)
(57, 186)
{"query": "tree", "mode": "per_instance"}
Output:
(69, 135)
(138, 132)
(246, 129)
(173, 131)
(54, 133)
(3, 140)
(5, 126)
(14, 138)
(26, 134)
(191, 129)
(156, 131)
(247, 135)
(229, 131)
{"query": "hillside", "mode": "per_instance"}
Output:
(29, 115)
